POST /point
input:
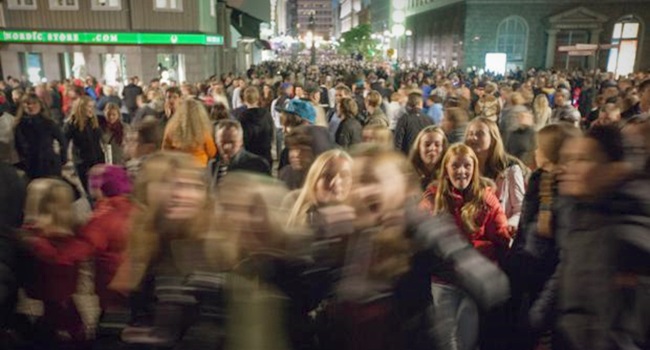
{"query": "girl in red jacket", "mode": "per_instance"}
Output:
(461, 192)
(58, 255)
(476, 209)
(107, 229)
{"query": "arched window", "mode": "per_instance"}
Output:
(512, 39)
(625, 40)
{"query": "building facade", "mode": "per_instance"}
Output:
(532, 33)
(322, 11)
(111, 39)
(349, 14)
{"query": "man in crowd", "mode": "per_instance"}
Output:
(410, 124)
(130, 94)
(341, 91)
(172, 101)
(257, 124)
(232, 155)
(643, 106)
(564, 111)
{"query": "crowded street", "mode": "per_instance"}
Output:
(351, 194)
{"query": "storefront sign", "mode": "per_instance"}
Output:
(20, 36)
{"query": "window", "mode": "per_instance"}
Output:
(168, 5)
(108, 5)
(213, 8)
(512, 38)
(21, 4)
(64, 5)
(625, 39)
(31, 66)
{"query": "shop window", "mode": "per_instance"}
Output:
(168, 5)
(64, 5)
(114, 71)
(31, 66)
(625, 37)
(171, 67)
(21, 4)
(512, 39)
(73, 65)
(107, 5)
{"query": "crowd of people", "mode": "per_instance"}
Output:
(350, 205)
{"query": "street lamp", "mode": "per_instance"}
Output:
(312, 26)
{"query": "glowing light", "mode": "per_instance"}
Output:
(398, 29)
(399, 16)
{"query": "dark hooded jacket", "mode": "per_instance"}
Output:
(12, 256)
(598, 296)
(319, 141)
(35, 136)
(259, 130)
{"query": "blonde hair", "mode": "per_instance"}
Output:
(189, 126)
(161, 167)
(382, 135)
(540, 106)
(112, 107)
(49, 206)
(374, 99)
(414, 155)
(517, 99)
(392, 250)
(260, 198)
(79, 117)
(307, 197)
(473, 195)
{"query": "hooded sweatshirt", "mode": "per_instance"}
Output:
(259, 130)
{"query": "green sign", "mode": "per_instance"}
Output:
(120, 38)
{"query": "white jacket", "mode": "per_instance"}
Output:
(510, 190)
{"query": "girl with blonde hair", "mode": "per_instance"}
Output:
(427, 152)
(166, 245)
(58, 256)
(190, 131)
(508, 173)
(377, 134)
(113, 131)
(328, 181)
(86, 135)
(541, 111)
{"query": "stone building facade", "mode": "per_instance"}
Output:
(533, 33)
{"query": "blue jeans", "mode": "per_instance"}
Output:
(279, 143)
(456, 321)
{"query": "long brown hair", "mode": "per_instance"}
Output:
(79, 117)
(473, 195)
(45, 111)
(414, 156)
(498, 160)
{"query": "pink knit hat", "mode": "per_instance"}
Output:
(111, 180)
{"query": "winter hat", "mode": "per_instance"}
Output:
(111, 180)
(303, 109)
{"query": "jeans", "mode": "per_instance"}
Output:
(456, 321)
(279, 143)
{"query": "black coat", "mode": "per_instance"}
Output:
(34, 138)
(243, 161)
(348, 133)
(87, 144)
(603, 244)
(259, 131)
(407, 129)
(130, 94)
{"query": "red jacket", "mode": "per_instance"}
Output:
(492, 231)
(107, 231)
